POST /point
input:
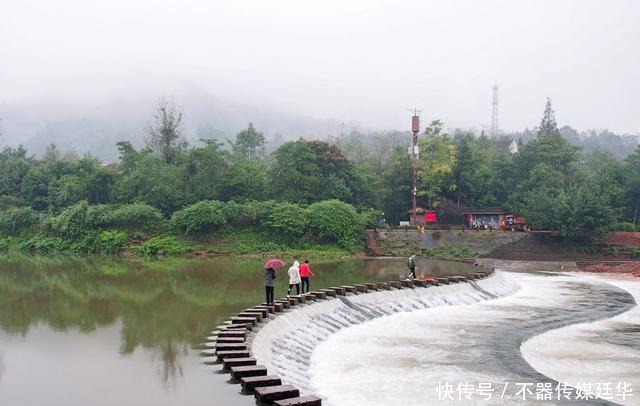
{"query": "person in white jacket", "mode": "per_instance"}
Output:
(294, 278)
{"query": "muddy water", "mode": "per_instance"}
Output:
(99, 332)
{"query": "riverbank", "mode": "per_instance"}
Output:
(241, 244)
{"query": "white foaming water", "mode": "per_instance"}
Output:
(602, 352)
(395, 347)
(286, 343)
(401, 359)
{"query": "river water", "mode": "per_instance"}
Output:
(108, 332)
(103, 332)
(580, 330)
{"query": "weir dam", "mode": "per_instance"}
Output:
(486, 338)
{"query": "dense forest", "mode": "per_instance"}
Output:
(305, 191)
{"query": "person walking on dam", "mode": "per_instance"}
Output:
(269, 277)
(411, 263)
(305, 273)
(294, 278)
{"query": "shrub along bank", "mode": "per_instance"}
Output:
(209, 225)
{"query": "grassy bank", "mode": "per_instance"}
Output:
(237, 244)
(332, 228)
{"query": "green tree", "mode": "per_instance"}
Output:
(294, 174)
(289, 220)
(337, 222)
(632, 185)
(396, 185)
(52, 153)
(249, 144)
(14, 166)
(164, 135)
(245, 180)
(203, 171)
(153, 182)
(202, 217)
(589, 213)
(549, 148)
(436, 163)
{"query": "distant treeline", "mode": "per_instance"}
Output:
(171, 187)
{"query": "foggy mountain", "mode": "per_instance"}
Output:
(95, 128)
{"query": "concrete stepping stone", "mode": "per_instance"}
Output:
(361, 288)
(309, 296)
(269, 308)
(349, 289)
(339, 290)
(249, 383)
(307, 400)
(232, 333)
(371, 285)
(231, 347)
(221, 340)
(233, 354)
(238, 362)
(279, 306)
(257, 316)
(252, 370)
(319, 294)
(443, 281)
(285, 303)
(329, 292)
(243, 320)
(263, 312)
(291, 299)
(237, 326)
(270, 394)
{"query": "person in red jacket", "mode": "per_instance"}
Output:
(305, 273)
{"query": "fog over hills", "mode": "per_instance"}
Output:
(87, 74)
(96, 127)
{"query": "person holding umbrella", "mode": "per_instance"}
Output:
(270, 276)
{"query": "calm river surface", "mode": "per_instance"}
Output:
(110, 332)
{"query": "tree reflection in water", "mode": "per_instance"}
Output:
(165, 307)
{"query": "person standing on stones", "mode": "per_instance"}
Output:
(411, 263)
(305, 273)
(269, 277)
(294, 278)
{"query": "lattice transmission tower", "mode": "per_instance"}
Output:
(494, 112)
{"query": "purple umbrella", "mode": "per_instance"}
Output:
(274, 263)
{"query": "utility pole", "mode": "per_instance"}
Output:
(494, 112)
(414, 151)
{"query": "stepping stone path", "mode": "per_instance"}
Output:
(228, 342)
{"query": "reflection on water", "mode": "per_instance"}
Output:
(163, 308)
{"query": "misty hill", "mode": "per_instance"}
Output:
(96, 128)
(591, 140)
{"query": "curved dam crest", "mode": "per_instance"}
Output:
(376, 341)
(403, 358)
(285, 344)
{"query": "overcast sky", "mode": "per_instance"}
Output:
(363, 61)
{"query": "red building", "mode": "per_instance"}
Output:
(422, 217)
